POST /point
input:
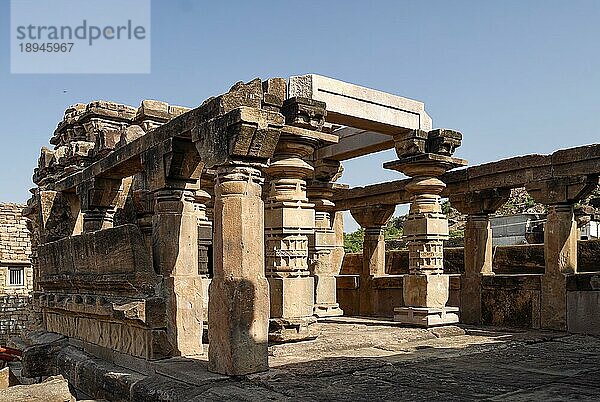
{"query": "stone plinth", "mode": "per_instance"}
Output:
(426, 316)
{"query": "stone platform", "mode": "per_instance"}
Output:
(368, 359)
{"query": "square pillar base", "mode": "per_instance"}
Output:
(426, 316)
(328, 310)
(291, 329)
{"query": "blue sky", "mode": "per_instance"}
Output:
(514, 77)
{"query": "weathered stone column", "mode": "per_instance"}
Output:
(173, 169)
(98, 197)
(175, 253)
(478, 246)
(289, 221)
(239, 291)
(424, 157)
(205, 235)
(373, 220)
(560, 243)
(323, 265)
(143, 202)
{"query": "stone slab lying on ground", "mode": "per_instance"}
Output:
(53, 389)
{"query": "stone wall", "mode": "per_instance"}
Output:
(13, 316)
(511, 298)
(15, 254)
(14, 236)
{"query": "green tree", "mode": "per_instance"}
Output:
(353, 242)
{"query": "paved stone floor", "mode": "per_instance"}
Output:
(363, 359)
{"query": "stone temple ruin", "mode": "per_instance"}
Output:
(150, 222)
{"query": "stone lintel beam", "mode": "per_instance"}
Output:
(354, 142)
(505, 174)
(371, 117)
(360, 107)
(126, 161)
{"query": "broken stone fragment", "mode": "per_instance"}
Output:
(53, 389)
(304, 112)
(410, 144)
(443, 141)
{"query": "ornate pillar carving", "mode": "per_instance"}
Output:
(425, 156)
(143, 204)
(205, 234)
(373, 219)
(289, 221)
(323, 266)
(478, 246)
(560, 242)
(239, 291)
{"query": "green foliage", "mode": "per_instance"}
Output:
(446, 207)
(393, 230)
(353, 242)
(457, 234)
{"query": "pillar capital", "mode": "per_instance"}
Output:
(373, 217)
(564, 190)
(98, 198)
(480, 203)
(174, 163)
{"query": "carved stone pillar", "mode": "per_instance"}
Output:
(424, 157)
(478, 246)
(204, 234)
(289, 221)
(98, 197)
(175, 253)
(143, 203)
(239, 291)
(323, 265)
(373, 220)
(560, 243)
